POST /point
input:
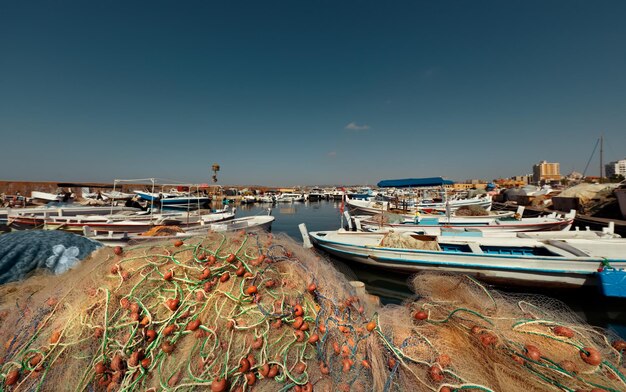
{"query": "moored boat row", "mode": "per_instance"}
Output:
(499, 247)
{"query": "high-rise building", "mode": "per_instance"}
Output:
(545, 172)
(615, 168)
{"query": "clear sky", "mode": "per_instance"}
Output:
(308, 92)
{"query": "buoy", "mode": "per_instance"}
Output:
(591, 356)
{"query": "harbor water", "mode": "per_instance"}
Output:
(392, 287)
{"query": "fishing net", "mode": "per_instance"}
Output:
(258, 312)
(386, 218)
(407, 241)
(162, 230)
(471, 211)
(503, 342)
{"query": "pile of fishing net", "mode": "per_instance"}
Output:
(162, 230)
(471, 211)
(407, 241)
(386, 218)
(256, 312)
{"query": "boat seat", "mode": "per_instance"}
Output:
(475, 248)
(88, 231)
(567, 247)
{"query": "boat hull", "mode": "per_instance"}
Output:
(316, 196)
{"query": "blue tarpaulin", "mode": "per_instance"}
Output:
(414, 182)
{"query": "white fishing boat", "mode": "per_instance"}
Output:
(359, 206)
(106, 196)
(545, 261)
(316, 194)
(126, 221)
(337, 194)
(248, 199)
(250, 223)
(372, 207)
(365, 193)
(172, 200)
(30, 217)
(117, 195)
(428, 195)
(289, 197)
(428, 224)
(267, 198)
(45, 196)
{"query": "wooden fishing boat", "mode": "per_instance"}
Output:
(289, 197)
(316, 194)
(32, 217)
(108, 196)
(250, 223)
(46, 196)
(133, 222)
(371, 207)
(248, 199)
(543, 223)
(547, 261)
(267, 198)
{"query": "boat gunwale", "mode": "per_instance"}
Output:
(380, 260)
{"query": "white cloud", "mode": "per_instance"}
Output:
(356, 127)
(332, 154)
(429, 73)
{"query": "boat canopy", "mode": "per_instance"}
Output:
(414, 182)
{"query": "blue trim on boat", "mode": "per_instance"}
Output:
(480, 266)
(453, 264)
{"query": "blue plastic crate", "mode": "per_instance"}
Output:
(613, 282)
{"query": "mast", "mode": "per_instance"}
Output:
(601, 155)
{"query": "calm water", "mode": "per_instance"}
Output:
(392, 286)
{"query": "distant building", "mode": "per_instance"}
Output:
(466, 186)
(514, 181)
(476, 181)
(615, 168)
(545, 172)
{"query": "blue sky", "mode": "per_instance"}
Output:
(308, 92)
